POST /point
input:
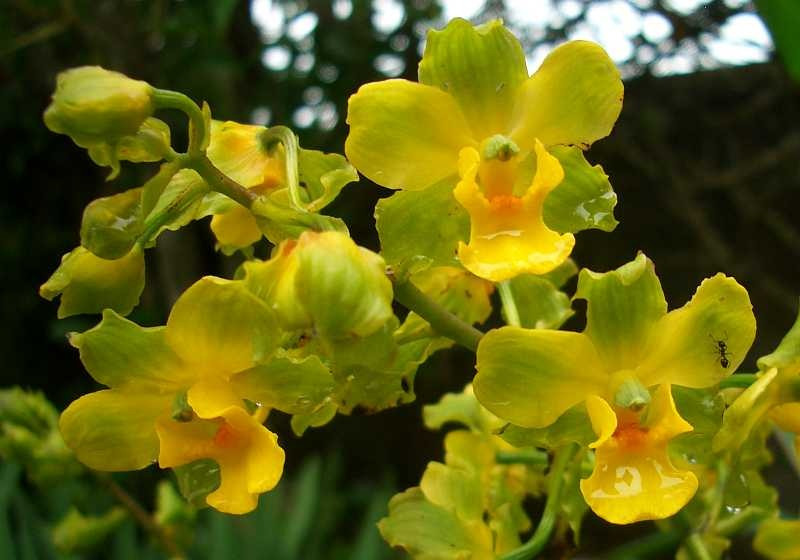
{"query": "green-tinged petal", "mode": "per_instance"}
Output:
(530, 378)
(776, 539)
(221, 328)
(572, 426)
(573, 98)
(331, 267)
(623, 307)
(787, 355)
(121, 354)
(405, 135)
(461, 408)
(179, 204)
(89, 284)
(584, 199)
(457, 485)
(114, 430)
(150, 143)
(111, 224)
(323, 176)
(482, 67)
(539, 302)
(685, 344)
(292, 385)
(428, 532)
(746, 411)
(301, 422)
(419, 229)
(279, 221)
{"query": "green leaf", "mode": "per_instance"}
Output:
(111, 225)
(197, 480)
(419, 229)
(301, 422)
(623, 307)
(429, 532)
(76, 533)
(293, 385)
(781, 16)
(89, 284)
(776, 539)
(323, 176)
(584, 199)
(482, 67)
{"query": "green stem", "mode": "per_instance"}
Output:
(219, 182)
(167, 99)
(442, 321)
(141, 516)
(697, 548)
(719, 492)
(547, 523)
(272, 136)
(509, 305)
(656, 545)
(522, 456)
(738, 381)
(735, 524)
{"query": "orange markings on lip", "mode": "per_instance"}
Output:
(505, 202)
(630, 435)
(225, 436)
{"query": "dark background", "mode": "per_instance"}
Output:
(705, 165)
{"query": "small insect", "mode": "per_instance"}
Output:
(721, 348)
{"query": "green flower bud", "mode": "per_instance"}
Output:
(306, 275)
(111, 224)
(93, 105)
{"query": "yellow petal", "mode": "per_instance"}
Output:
(237, 152)
(787, 416)
(507, 233)
(235, 228)
(405, 135)
(604, 421)
(574, 98)
(633, 478)
(210, 397)
(220, 328)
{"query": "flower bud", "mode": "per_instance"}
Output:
(93, 105)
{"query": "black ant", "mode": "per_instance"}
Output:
(722, 350)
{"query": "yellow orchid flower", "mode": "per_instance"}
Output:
(477, 116)
(634, 478)
(531, 377)
(217, 330)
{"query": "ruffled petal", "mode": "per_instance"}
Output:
(405, 135)
(634, 479)
(237, 152)
(508, 236)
